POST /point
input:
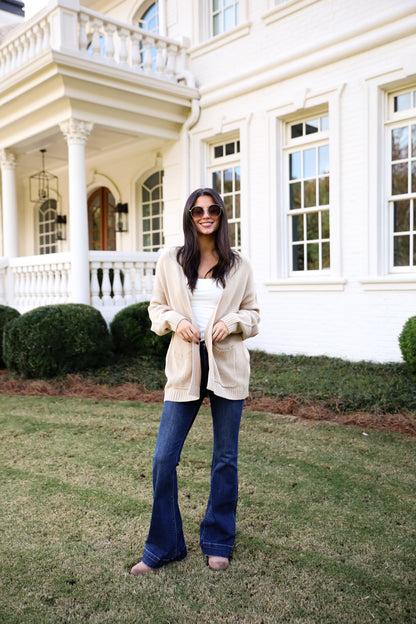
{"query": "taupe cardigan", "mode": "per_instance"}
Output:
(229, 361)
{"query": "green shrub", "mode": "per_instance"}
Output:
(407, 342)
(6, 315)
(132, 335)
(54, 340)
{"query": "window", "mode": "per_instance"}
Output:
(226, 179)
(402, 194)
(150, 19)
(225, 15)
(308, 194)
(47, 221)
(152, 212)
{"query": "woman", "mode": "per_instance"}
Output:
(204, 294)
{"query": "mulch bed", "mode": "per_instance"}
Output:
(77, 386)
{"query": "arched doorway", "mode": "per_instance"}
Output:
(101, 220)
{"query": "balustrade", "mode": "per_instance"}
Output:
(98, 37)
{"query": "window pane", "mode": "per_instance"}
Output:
(229, 18)
(414, 250)
(295, 196)
(237, 206)
(296, 130)
(309, 163)
(414, 141)
(323, 156)
(216, 181)
(401, 250)
(402, 102)
(326, 257)
(228, 203)
(401, 217)
(399, 143)
(217, 5)
(297, 228)
(312, 126)
(231, 232)
(146, 240)
(312, 226)
(145, 194)
(146, 225)
(146, 210)
(309, 193)
(324, 191)
(325, 224)
(298, 257)
(399, 179)
(413, 177)
(324, 122)
(156, 239)
(155, 223)
(237, 175)
(228, 181)
(229, 148)
(217, 24)
(295, 166)
(313, 256)
(218, 151)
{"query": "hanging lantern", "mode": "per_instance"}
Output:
(121, 211)
(60, 227)
(42, 184)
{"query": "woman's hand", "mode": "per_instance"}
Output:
(187, 331)
(219, 331)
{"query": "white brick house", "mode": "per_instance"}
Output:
(301, 112)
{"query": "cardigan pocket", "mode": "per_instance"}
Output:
(178, 367)
(232, 363)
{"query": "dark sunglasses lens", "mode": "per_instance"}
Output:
(214, 210)
(197, 212)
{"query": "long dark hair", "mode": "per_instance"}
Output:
(189, 255)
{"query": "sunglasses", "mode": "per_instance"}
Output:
(213, 211)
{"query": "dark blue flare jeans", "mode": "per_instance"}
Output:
(165, 541)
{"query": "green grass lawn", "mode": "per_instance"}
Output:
(326, 520)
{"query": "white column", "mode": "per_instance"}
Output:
(76, 133)
(9, 204)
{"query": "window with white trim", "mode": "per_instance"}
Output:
(47, 226)
(226, 179)
(402, 184)
(152, 212)
(224, 15)
(308, 213)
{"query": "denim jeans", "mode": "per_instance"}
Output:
(166, 541)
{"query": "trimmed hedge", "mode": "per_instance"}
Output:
(6, 314)
(131, 333)
(407, 342)
(55, 340)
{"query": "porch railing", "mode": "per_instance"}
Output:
(94, 36)
(117, 280)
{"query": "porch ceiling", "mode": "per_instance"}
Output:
(124, 106)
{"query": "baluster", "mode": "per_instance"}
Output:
(57, 296)
(96, 41)
(16, 286)
(2, 274)
(25, 287)
(44, 275)
(160, 58)
(109, 29)
(65, 281)
(25, 48)
(123, 50)
(147, 55)
(38, 287)
(38, 37)
(83, 38)
(128, 286)
(32, 288)
(46, 34)
(135, 51)
(32, 43)
(19, 51)
(15, 55)
(117, 285)
(95, 286)
(149, 279)
(138, 282)
(171, 62)
(106, 285)
(50, 288)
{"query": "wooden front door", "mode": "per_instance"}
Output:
(101, 220)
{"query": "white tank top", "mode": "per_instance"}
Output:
(204, 300)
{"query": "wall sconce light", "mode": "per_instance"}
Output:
(121, 211)
(60, 230)
(42, 183)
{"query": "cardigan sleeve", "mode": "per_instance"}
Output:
(163, 317)
(245, 319)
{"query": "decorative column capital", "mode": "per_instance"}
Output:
(7, 159)
(76, 132)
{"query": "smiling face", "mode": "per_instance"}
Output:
(207, 224)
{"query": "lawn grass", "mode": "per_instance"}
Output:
(326, 520)
(339, 385)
